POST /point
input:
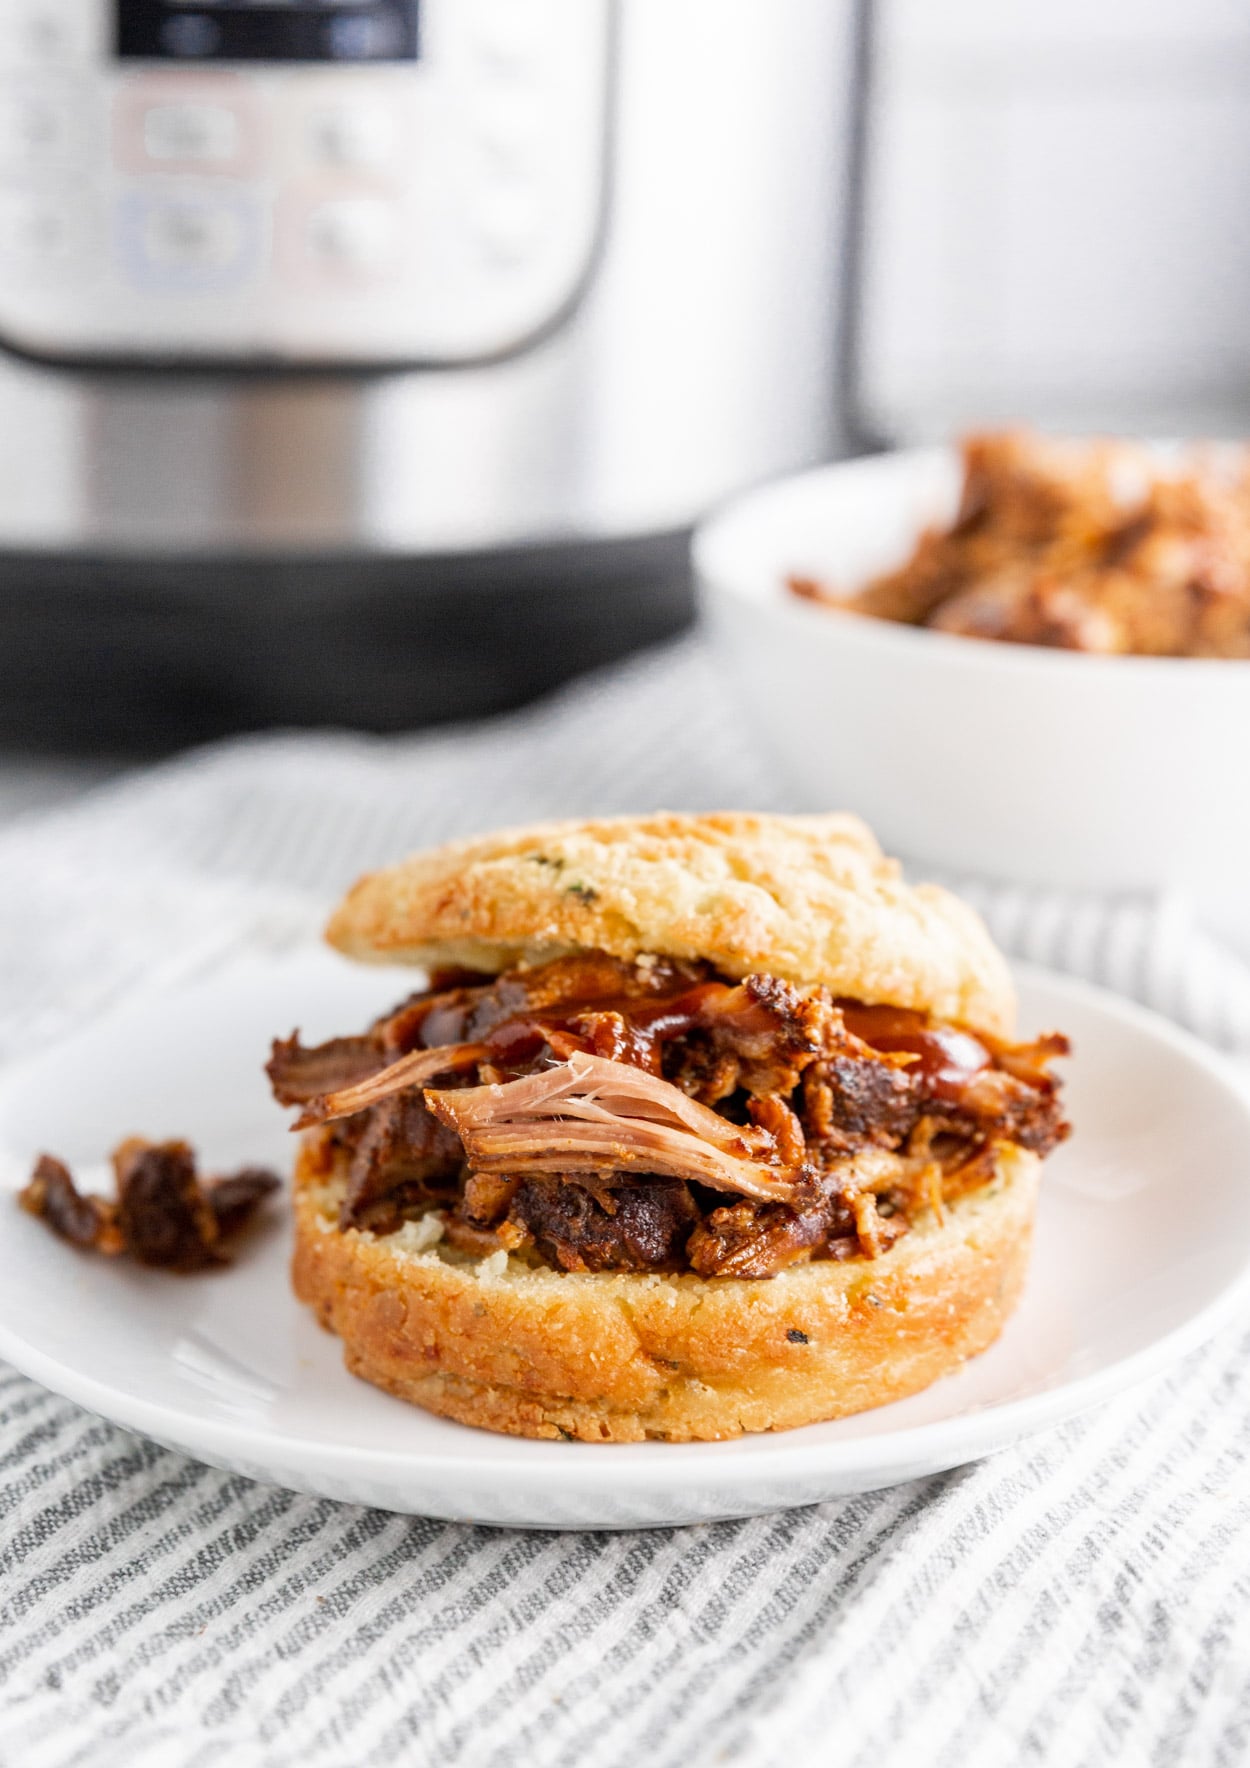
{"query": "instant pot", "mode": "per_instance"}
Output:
(369, 359)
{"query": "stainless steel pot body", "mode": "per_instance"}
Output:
(682, 345)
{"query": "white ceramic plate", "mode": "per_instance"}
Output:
(1143, 1249)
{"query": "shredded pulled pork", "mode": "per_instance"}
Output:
(162, 1213)
(398, 1077)
(1084, 546)
(597, 1115)
(590, 1115)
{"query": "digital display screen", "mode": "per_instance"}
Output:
(267, 30)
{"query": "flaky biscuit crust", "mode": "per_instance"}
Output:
(809, 898)
(623, 1357)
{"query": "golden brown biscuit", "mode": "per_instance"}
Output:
(808, 898)
(623, 1356)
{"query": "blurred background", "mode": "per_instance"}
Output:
(1054, 216)
(367, 362)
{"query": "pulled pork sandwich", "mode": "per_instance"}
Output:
(703, 1124)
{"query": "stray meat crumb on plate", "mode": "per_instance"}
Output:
(163, 1214)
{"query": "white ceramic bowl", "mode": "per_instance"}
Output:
(1012, 761)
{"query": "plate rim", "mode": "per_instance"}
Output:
(949, 1442)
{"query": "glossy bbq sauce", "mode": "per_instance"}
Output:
(947, 1059)
(634, 1029)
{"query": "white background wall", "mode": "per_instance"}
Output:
(1059, 215)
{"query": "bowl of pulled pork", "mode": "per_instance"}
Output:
(1023, 656)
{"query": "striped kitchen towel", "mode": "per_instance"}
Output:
(1080, 1599)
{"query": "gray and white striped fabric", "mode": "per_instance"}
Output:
(1082, 1599)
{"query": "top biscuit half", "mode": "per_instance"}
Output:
(808, 898)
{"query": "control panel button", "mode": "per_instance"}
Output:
(351, 136)
(192, 236)
(37, 129)
(195, 133)
(507, 123)
(195, 123)
(50, 33)
(37, 231)
(189, 241)
(352, 236)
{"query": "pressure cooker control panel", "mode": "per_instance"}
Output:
(301, 181)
